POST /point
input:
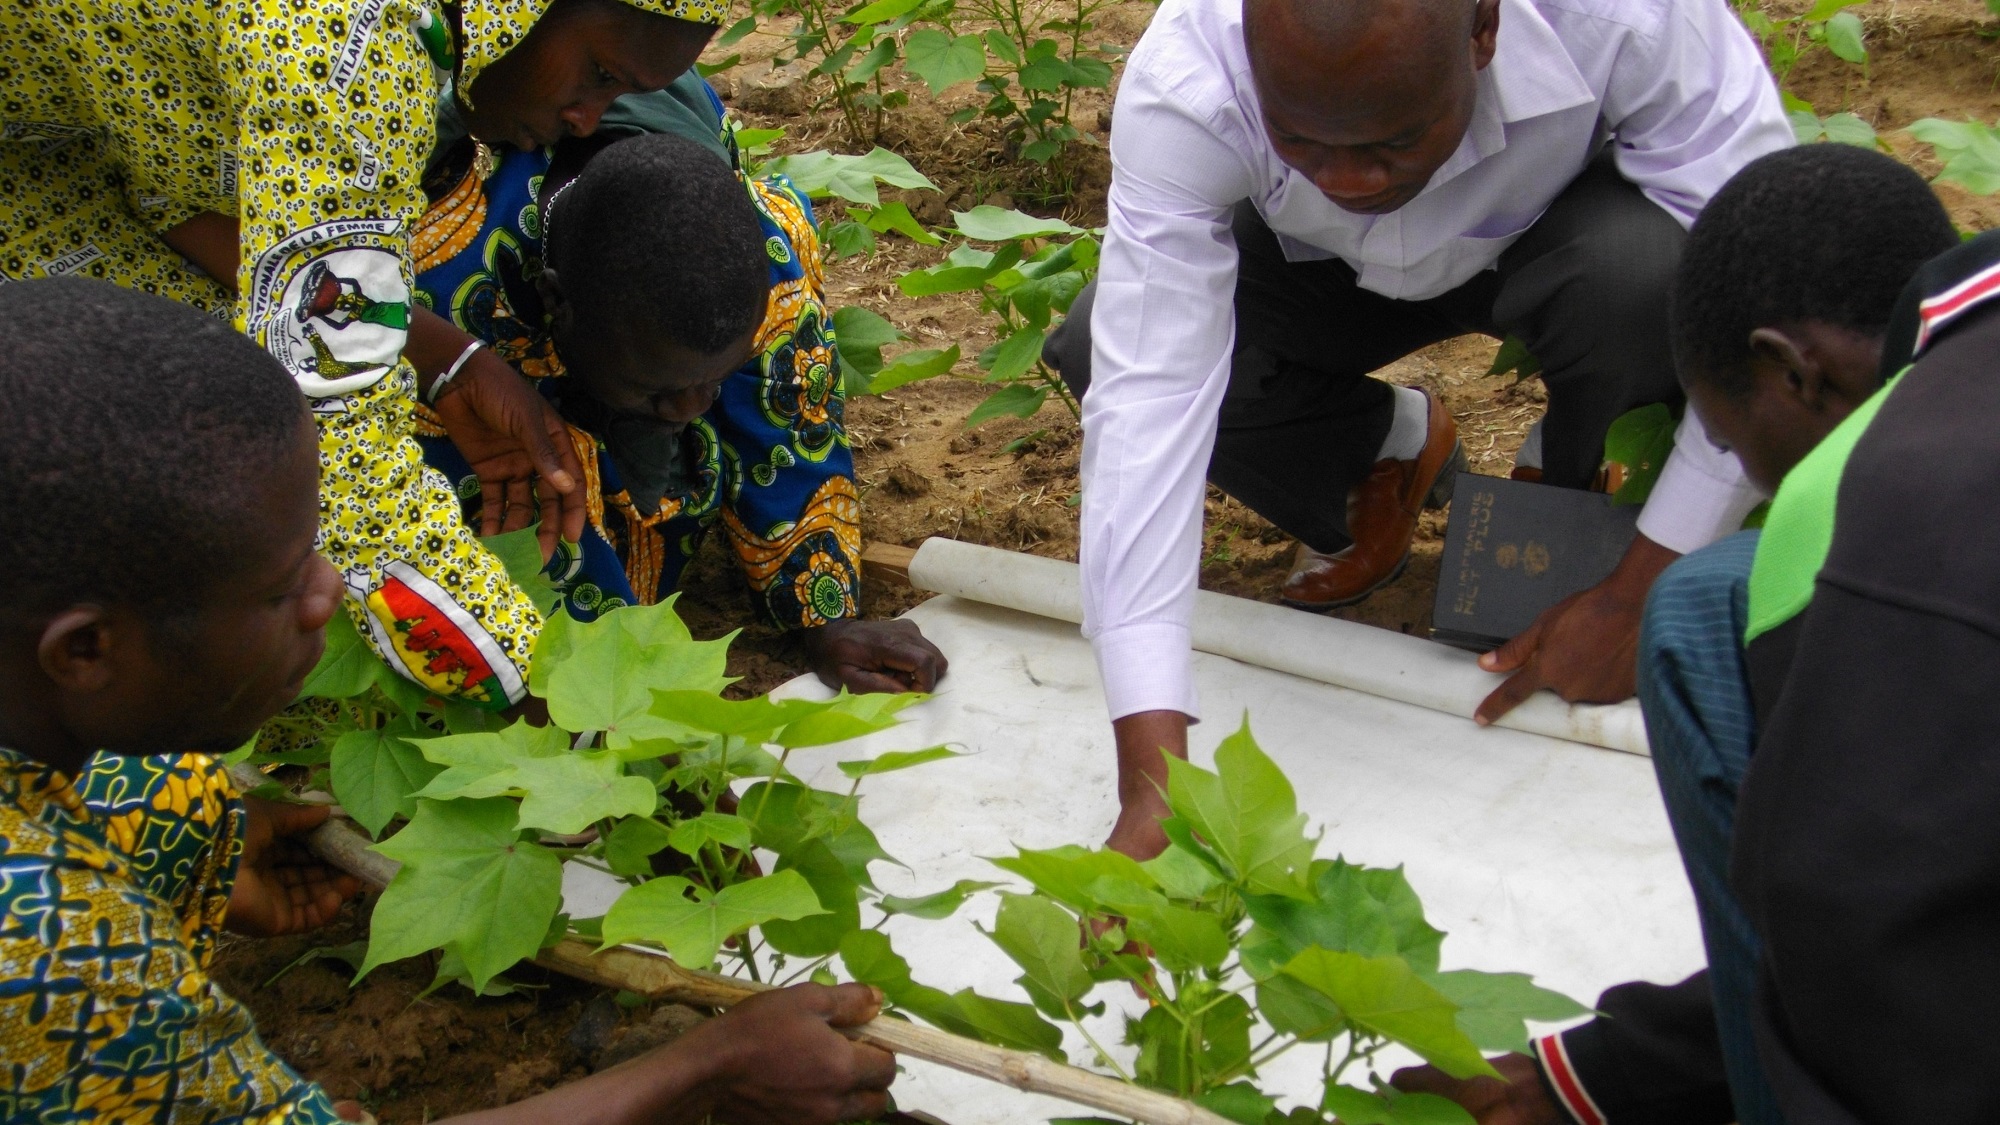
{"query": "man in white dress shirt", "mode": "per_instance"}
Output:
(1305, 190)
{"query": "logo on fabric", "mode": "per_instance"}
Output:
(330, 303)
(226, 174)
(72, 261)
(347, 61)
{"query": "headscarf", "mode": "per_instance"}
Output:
(491, 28)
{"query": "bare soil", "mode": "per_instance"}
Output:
(922, 473)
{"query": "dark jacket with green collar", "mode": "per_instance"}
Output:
(1868, 831)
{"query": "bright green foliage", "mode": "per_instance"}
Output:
(1970, 151)
(630, 777)
(1246, 945)
(1028, 283)
(938, 904)
(377, 772)
(824, 174)
(691, 923)
(1827, 23)
(471, 883)
(1640, 440)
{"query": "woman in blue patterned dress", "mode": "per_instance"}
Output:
(688, 343)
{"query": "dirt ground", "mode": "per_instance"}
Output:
(922, 474)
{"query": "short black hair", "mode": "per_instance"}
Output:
(657, 230)
(133, 433)
(1825, 232)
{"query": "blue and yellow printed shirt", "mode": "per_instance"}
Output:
(776, 471)
(112, 891)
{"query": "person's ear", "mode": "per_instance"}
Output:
(1485, 32)
(555, 302)
(1797, 365)
(78, 649)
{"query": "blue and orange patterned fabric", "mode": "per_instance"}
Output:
(776, 470)
(112, 892)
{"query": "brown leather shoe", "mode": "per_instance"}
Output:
(1382, 517)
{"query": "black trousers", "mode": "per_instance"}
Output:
(1585, 289)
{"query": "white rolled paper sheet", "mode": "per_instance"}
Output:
(1343, 653)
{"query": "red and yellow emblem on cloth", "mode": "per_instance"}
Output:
(433, 641)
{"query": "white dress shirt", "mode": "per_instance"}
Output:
(1676, 87)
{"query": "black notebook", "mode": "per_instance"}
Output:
(1514, 549)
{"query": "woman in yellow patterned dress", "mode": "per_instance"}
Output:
(131, 132)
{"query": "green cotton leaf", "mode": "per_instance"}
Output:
(1068, 873)
(521, 553)
(692, 929)
(1494, 1008)
(1367, 910)
(860, 336)
(877, 57)
(843, 718)
(1011, 358)
(784, 817)
(1003, 1023)
(561, 790)
(470, 880)
(749, 719)
(942, 61)
(943, 279)
(1295, 1009)
(1173, 1056)
(616, 662)
(737, 31)
(987, 223)
(376, 775)
(897, 760)
(881, 11)
(347, 667)
(1042, 938)
(553, 646)
(870, 960)
(1391, 1107)
(1018, 400)
(913, 366)
(1849, 129)
(1240, 1102)
(938, 904)
(1970, 151)
(839, 896)
(1248, 813)
(1089, 74)
(823, 174)
(1826, 9)
(1181, 875)
(476, 762)
(1383, 996)
(849, 238)
(896, 217)
(1514, 356)
(1844, 37)
(1046, 74)
(633, 843)
(691, 835)
(1003, 48)
(1640, 440)
(1182, 940)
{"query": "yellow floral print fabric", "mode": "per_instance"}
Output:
(310, 121)
(112, 890)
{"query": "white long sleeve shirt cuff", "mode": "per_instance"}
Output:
(1701, 496)
(1146, 667)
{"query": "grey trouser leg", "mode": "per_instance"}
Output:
(1585, 288)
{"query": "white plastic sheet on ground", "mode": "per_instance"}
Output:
(1533, 853)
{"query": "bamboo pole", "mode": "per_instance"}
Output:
(657, 977)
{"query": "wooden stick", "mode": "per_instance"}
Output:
(658, 977)
(887, 562)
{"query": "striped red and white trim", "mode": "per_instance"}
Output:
(1563, 1080)
(1937, 311)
